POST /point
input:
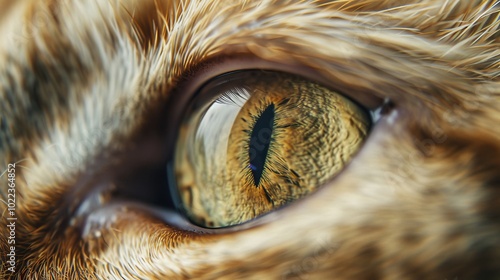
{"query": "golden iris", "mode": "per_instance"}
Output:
(256, 140)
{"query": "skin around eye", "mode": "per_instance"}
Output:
(254, 141)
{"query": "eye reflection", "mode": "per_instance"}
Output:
(254, 141)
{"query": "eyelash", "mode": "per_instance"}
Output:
(233, 96)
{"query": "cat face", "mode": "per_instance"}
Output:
(93, 94)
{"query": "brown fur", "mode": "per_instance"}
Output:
(86, 88)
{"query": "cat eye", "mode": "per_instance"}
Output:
(253, 141)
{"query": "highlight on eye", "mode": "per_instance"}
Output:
(253, 141)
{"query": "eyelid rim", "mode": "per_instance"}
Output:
(187, 87)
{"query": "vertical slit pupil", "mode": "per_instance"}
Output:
(260, 140)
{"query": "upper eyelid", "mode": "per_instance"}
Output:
(205, 71)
